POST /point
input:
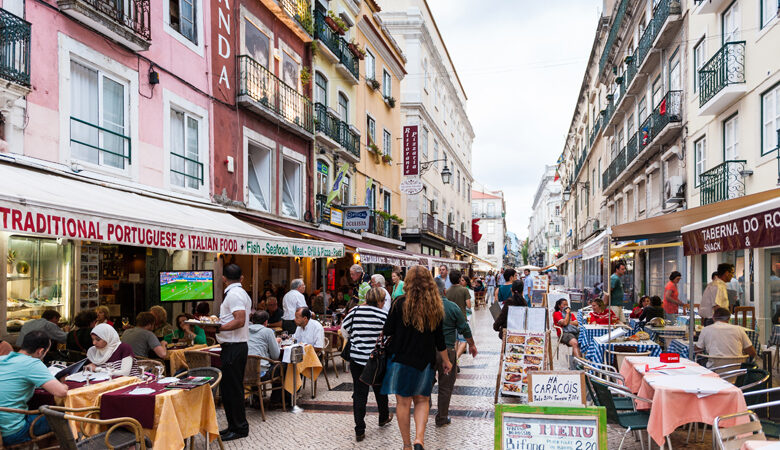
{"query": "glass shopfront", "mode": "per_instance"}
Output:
(771, 274)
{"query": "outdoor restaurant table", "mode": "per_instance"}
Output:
(774, 339)
(310, 361)
(668, 392)
(588, 332)
(214, 352)
(596, 350)
(680, 346)
(177, 359)
(765, 445)
(677, 331)
(168, 416)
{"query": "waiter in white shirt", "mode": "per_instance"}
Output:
(378, 281)
(233, 336)
(291, 302)
(309, 331)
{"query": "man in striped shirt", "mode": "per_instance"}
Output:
(362, 327)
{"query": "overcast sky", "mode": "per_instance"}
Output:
(521, 63)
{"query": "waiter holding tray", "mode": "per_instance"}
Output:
(233, 336)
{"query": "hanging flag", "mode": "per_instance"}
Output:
(662, 107)
(560, 159)
(369, 187)
(337, 184)
(557, 175)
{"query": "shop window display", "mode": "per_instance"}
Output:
(38, 277)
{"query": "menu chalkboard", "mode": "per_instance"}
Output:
(550, 427)
(556, 388)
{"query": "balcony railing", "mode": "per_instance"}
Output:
(263, 87)
(131, 14)
(726, 67)
(335, 43)
(336, 129)
(14, 49)
(301, 11)
(383, 226)
(613, 34)
(190, 169)
(722, 182)
(99, 145)
(668, 110)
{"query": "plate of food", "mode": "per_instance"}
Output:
(529, 350)
(515, 339)
(513, 377)
(516, 368)
(207, 321)
(515, 349)
(532, 360)
(535, 340)
(513, 358)
(513, 387)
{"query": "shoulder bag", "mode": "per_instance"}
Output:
(374, 371)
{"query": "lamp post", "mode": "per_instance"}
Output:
(446, 173)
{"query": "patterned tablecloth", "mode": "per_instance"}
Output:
(681, 346)
(774, 339)
(595, 352)
(677, 331)
(588, 332)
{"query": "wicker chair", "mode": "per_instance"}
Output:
(330, 352)
(34, 440)
(210, 341)
(252, 379)
(147, 364)
(123, 432)
(197, 358)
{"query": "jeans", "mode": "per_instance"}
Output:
(489, 293)
(446, 384)
(23, 435)
(360, 398)
(233, 357)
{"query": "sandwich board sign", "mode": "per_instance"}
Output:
(526, 427)
(556, 388)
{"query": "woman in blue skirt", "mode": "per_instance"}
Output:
(414, 327)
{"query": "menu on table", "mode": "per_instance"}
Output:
(524, 353)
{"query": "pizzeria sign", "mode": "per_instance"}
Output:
(753, 231)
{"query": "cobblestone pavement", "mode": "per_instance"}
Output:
(326, 422)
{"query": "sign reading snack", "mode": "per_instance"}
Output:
(757, 230)
(528, 427)
(562, 388)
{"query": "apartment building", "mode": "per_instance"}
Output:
(544, 225)
(488, 210)
(432, 98)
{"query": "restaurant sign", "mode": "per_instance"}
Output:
(523, 427)
(60, 224)
(411, 156)
(754, 231)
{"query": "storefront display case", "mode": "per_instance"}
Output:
(38, 277)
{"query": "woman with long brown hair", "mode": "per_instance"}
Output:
(414, 327)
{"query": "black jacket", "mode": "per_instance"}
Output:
(500, 323)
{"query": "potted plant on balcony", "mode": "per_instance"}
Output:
(629, 59)
(373, 84)
(354, 47)
(387, 159)
(619, 80)
(390, 101)
(397, 219)
(330, 19)
(610, 97)
(305, 76)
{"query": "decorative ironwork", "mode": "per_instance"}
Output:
(300, 10)
(262, 86)
(131, 14)
(103, 140)
(722, 182)
(193, 169)
(632, 148)
(726, 67)
(613, 34)
(14, 48)
(644, 45)
(630, 71)
(668, 110)
(383, 226)
(338, 130)
(335, 44)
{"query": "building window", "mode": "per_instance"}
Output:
(182, 18)
(344, 191)
(458, 179)
(768, 11)
(491, 227)
(425, 74)
(343, 107)
(436, 153)
(257, 43)
(387, 143)
(387, 84)
(699, 58)
(259, 177)
(371, 127)
(730, 139)
(370, 65)
(320, 89)
(491, 248)
(323, 173)
(491, 209)
(386, 202)
(770, 118)
(292, 181)
(700, 154)
(557, 210)
(642, 110)
(98, 122)
(424, 143)
(730, 26)
(186, 168)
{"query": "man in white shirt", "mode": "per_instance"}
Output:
(308, 331)
(724, 339)
(291, 302)
(378, 281)
(444, 276)
(233, 336)
(716, 293)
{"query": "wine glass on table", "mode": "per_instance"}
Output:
(87, 374)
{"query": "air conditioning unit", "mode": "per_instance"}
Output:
(674, 189)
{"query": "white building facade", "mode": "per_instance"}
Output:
(544, 225)
(488, 208)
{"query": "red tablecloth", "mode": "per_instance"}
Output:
(120, 403)
(215, 353)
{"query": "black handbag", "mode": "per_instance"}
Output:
(346, 352)
(374, 371)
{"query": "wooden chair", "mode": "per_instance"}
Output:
(479, 299)
(34, 440)
(732, 438)
(123, 432)
(332, 350)
(252, 379)
(741, 316)
(196, 359)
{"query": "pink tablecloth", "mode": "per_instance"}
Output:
(764, 445)
(632, 369)
(673, 407)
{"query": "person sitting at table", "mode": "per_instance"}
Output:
(308, 331)
(644, 301)
(48, 323)
(110, 354)
(516, 299)
(263, 341)
(600, 314)
(102, 315)
(203, 309)
(141, 338)
(653, 310)
(318, 304)
(724, 339)
(20, 374)
(80, 339)
(192, 333)
(161, 326)
(274, 313)
(569, 327)
(5, 348)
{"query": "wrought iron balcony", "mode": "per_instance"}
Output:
(337, 46)
(336, 129)
(383, 226)
(668, 110)
(613, 34)
(127, 21)
(725, 68)
(722, 182)
(263, 92)
(14, 49)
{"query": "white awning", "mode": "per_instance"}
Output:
(388, 257)
(45, 204)
(594, 247)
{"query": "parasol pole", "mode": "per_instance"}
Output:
(692, 313)
(607, 286)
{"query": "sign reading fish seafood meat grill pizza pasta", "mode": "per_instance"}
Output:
(59, 224)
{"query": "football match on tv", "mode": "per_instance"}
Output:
(186, 286)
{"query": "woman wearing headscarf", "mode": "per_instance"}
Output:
(111, 354)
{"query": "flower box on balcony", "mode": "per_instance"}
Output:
(390, 101)
(372, 83)
(387, 159)
(619, 80)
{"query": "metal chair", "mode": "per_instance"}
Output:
(752, 379)
(732, 438)
(216, 378)
(123, 432)
(771, 429)
(620, 353)
(34, 440)
(705, 359)
(320, 355)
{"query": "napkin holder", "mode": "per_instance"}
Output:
(296, 354)
(670, 357)
(603, 339)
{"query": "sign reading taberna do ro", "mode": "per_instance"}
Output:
(754, 231)
(356, 217)
(527, 427)
(411, 157)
